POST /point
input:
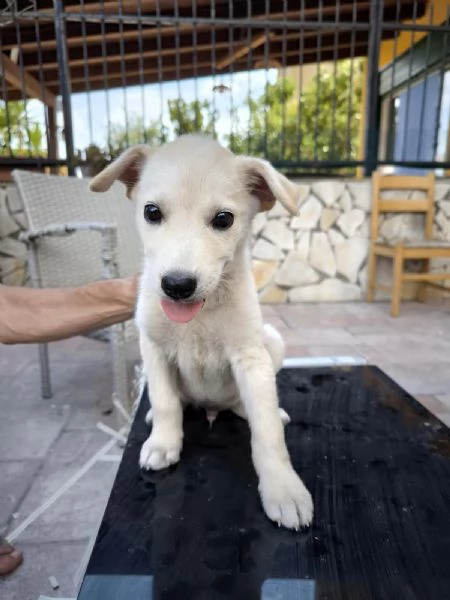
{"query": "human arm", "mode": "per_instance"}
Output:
(29, 315)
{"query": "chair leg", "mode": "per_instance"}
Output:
(120, 375)
(371, 276)
(397, 281)
(423, 286)
(46, 387)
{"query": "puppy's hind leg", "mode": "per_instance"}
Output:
(276, 348)
(239, 410)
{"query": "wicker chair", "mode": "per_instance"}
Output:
(76, 237)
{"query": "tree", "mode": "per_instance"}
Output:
(319, 124)
(185, 117)
(322, 123)
(192, 117)
(135, 132)
(93, 159)
(18, 133)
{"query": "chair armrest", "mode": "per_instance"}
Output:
(61, 229)
(107, 231)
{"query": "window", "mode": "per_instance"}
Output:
(416, 123)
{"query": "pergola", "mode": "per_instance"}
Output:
(72, 46)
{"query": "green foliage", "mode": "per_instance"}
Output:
(192, 117)
(94, 159)
(321, 124)
(122, 137)
(18, 132)
(185, 117)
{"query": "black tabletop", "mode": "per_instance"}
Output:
(376, 462)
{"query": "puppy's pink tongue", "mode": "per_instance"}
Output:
(181, 312)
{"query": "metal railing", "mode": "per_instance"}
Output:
(300, 83)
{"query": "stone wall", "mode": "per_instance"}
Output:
(320, 255)
(12, 251)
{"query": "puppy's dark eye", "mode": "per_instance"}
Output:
(152, 214)
(223, 220)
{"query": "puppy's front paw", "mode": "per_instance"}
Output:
(285, 498)
(160, 451)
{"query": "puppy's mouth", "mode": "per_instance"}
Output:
(181, 311)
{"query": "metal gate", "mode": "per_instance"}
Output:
(315, 87)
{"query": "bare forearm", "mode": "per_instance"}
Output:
(32, 315)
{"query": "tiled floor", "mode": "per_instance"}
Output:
(43, 443)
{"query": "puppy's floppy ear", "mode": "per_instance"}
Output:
(127, 169)
(268, 185)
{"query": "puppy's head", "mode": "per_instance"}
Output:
(194, 204)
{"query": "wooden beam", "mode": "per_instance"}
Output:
(149, 32)
(113, 58)
(24, 81)
(115, 77)
(243, 50)
(169, 50)
(187, 71)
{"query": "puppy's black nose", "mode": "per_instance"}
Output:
(178, 285)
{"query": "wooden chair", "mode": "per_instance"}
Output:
(400, 250)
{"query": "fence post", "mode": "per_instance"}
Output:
(64, 83)
(372, 88)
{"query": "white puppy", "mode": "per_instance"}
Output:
(202, 337)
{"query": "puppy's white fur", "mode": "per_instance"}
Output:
(225, 357)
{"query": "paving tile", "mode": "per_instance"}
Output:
(40, 562)
(431, 403)
(377, 338)
(423, 378)
(316, 336)
(295, 350)
(408, 348)
(71, 450)
(77, 513)
(86, 417)
(444, 417)
(332, 350)
(16, 477)
(444, 399)
(330, 314)
(15, 359)
(80, 348)
(27, 433)
(81, 382)
(372, 355)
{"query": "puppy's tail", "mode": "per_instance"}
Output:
(275, 346)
